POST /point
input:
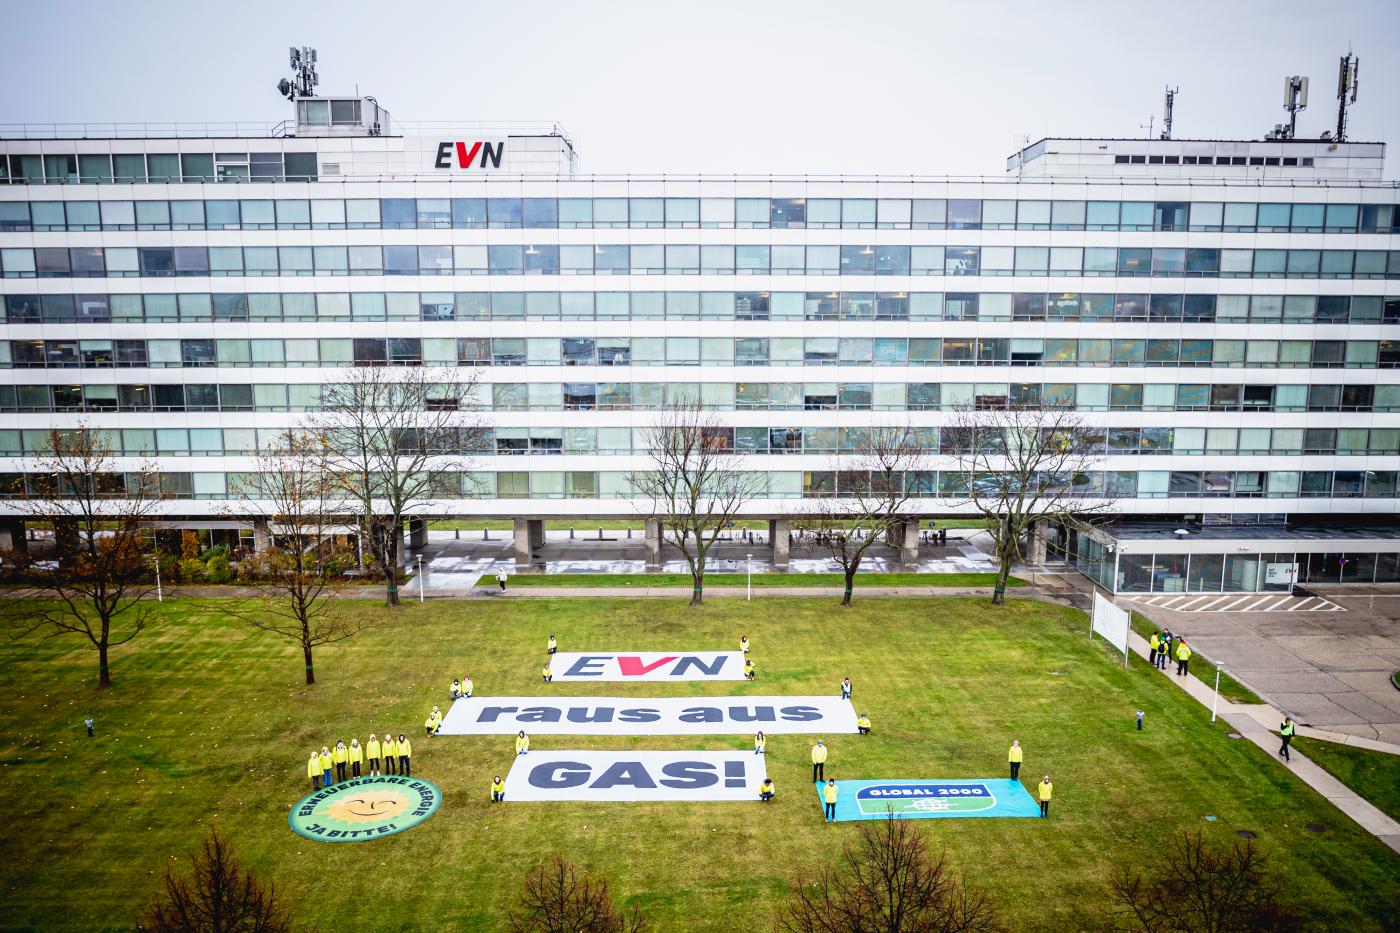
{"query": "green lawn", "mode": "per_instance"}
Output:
(208, 725)
(641, 580)
(1204, 669)
(1373, 775)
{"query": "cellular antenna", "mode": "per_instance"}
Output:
(1167, 111)
(1295, 98)
(304, 77)
(1346, 92)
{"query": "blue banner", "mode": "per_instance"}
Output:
(924, 799)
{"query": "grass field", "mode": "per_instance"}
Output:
(1373, 775)
(641, 580)
(208, 725)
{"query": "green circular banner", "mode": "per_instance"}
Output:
(365, 808)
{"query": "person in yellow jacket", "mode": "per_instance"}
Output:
(405, 751)
(456, 688)
(1015, 756)
(1153, 644)
(744, 643)
(372, 754)
(1183, 658)
(340, 756)
(829, 797)
(547, 674)
(1043, 790)
(863, 724)
(766, 790)
(430, 724)
(522, 743)
(498, 790)
(356, 754)
(391, 756)
(327, 762)
(818, 761)
(760, 744)
(749, 672)
(466, 687)
(552, 645)
(313, 769)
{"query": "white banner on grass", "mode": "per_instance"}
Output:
(648, 665)
(1112, 623)
(744, 715)
(610, 776)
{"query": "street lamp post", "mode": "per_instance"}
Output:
(749, 575)
(420, 578)
(160, 595)
(1215, 700)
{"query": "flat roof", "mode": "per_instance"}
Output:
(1165, 531)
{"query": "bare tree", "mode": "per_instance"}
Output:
(694, 486)
(392, 437)
(873, 490)
(300, 575)
(887, 881)
(1200, 888)
(98, 513)
(558, 899)
(1022, 467)
(219, 897)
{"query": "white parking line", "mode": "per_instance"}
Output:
(1236, 602)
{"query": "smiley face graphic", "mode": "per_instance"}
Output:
(364, 809)
(372, 806)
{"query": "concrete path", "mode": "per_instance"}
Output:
(1246, 720)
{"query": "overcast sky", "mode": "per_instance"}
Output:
(717, 86)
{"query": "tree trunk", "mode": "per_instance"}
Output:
(1003, 571)
(310, 671)
(697, 578)
(850, 585)
(391, 569)
(104, 674)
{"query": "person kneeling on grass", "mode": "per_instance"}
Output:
(766, 790)
(498, 790)
(863, 724)
(749, 672)
(456, 688)
(522, 743)
(846, 689)
(405, 751)
(547, 675)
(552, 645)
(760, 744)
(313, 769)
(466, 687)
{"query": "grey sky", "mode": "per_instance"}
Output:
(891, 88)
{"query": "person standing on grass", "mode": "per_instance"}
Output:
(341, 756)
(553, 645)
(1164, 649)
(356, 753)
(501, 579)
(498, 790)
(1153, 644)
(467, 687)
(390, 754)
(372, 754)
(1183, 658)
(829, 797)
(760, 744)
(313, 770)
(1015, 756)
(405, 751)
(846, 689)
(1045, 789)
(744, 644)
(522, 743)
(818, 761)
(327, 762)
(766, 790)
(1285, 731)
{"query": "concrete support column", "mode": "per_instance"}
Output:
(778, 535)
(12, 537)
(536, 534)
(651, 539)
(262, 536)
(908, 531)
(522, 542)
(417, 534)
(1035, 544)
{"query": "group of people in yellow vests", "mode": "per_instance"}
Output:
(461, 689)
(1043, 790)
(1161, 650)
(434, 721)
(329, 766)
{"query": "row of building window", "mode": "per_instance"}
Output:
(698, 351)
(602, 259)
(625, 441)
(729, 396)
(809, 484)
(127, 168)
(1271, 161)
(1123, 307)
(690, 213)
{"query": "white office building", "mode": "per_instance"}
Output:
(1227, 311)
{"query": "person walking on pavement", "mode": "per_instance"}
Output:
(1045, 789)
(818, 761)
(501, 579)
(1164, 650)
(846, 689)
(1153, 644)
(829, 798)
(1183, 658)
(1015, 756)
(1285, 731)
(313, 769)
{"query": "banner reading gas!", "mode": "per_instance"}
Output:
(649, 665)
(611, 776)
(665, 716)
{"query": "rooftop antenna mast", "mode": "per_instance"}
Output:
(1151, 121)
(304, 77)
(1295, 98)
(1167, 111)
(1346, 92)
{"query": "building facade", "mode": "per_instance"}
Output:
(1235, 334)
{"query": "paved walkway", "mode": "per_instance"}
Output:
(1250, 721)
